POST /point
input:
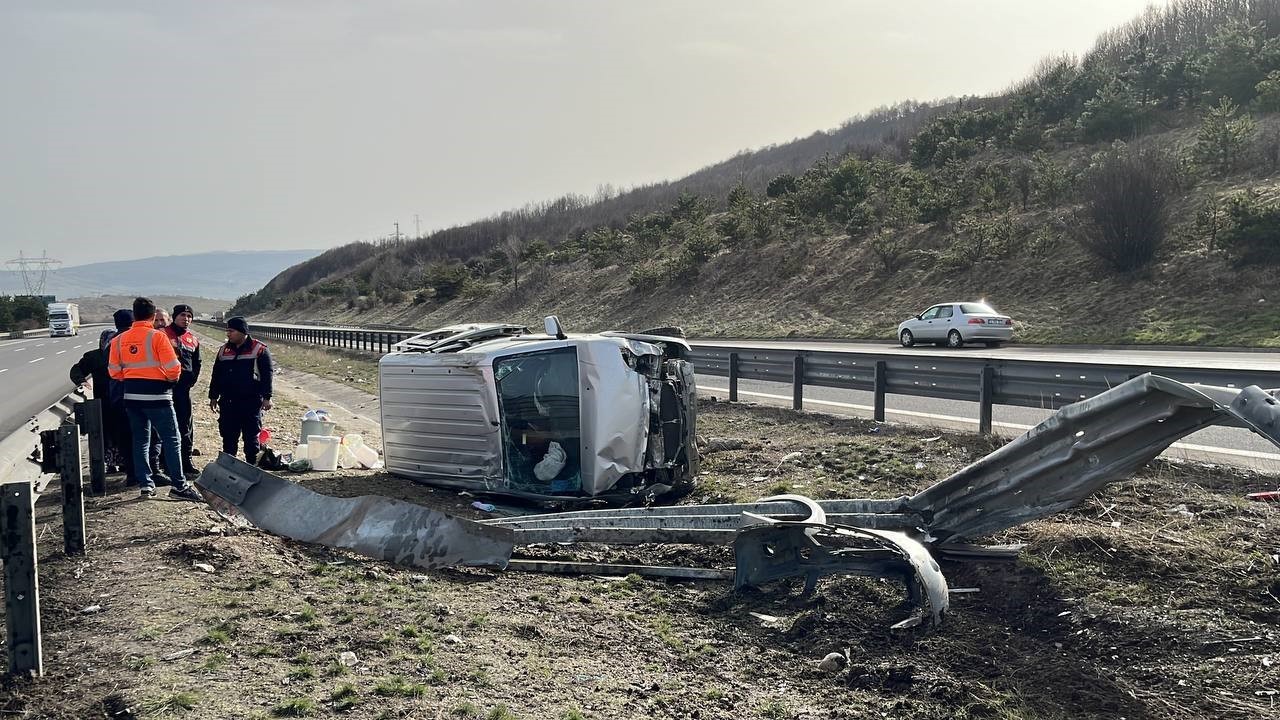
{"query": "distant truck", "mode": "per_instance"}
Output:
(64, 319)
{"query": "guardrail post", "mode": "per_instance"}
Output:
(733, 377)
(881, 382)
(21, 586)
(72, 488)
(986, 392)
(797, 383)
(97, 451)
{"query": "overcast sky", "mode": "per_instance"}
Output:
(134, 128)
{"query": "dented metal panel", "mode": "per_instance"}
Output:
(379, 527)
(776, 550)
(615, 413)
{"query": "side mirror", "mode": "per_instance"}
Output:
(552, 325)
(920, 316)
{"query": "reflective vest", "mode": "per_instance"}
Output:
(144, 361)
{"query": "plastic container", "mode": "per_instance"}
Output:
(364, 455)
(317, 427)
(300, 451)
(322, 450)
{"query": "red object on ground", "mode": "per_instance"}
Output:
(264, 436)
(1269, 496)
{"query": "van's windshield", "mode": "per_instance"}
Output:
(541, 429)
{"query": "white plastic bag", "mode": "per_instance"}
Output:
(551, 464)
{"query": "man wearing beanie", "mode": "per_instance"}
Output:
(240, 389)
(187, 346)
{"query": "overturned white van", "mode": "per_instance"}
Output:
(546, 417)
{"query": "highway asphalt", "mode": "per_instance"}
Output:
(34, 374)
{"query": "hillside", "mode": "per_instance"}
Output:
(101, 307)
(1127, 196)
(224, 275)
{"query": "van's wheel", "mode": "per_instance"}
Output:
(907, 339)
(954, 340)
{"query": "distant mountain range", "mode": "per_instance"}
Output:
(220, 275)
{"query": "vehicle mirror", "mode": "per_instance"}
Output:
(552, 325)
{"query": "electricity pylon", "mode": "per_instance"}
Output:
(35, 271)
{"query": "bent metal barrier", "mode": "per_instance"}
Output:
(54, 438)
(1044, 384)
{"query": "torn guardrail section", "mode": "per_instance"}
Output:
(1081, 448)
(379, 527)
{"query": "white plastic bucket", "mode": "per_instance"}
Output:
(317, 427)
(300, 452)
(323, 451)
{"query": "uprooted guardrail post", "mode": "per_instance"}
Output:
(72, 488)
(22, 588)
(89, 418)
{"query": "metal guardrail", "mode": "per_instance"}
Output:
(22, 482)
(1045, 384)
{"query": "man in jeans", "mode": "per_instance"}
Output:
(144, 361)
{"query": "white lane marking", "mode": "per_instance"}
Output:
(4, 370)
(59, 352)
(19, 349)
(77, 347)
(35, 361)
(39, 344)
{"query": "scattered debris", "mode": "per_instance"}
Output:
(204, 567)
(1268, 496)
(714, 445)
(454, 640)
(833, 663)
(764, 619)
(91, 609)
(348, 658)
(180, 654)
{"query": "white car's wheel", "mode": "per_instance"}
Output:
(954, 340)
(907, 339)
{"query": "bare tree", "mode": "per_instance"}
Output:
(513, 248)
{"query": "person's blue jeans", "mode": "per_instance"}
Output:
(142, 418)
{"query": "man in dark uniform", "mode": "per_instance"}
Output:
(240, 389)
(187, 346)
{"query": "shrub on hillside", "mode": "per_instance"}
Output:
(1251, 232)
(1112, 113)
(891, 250)
(647, 276)
(1223, 137)
(1126, 195)
(446, 281)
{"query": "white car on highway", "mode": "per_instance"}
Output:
(955, 324)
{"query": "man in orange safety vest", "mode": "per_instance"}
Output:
(144, 361)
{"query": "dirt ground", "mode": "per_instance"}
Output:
(1158, 598)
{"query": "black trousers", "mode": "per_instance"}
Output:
(182, 408)
(123, 438)
(240, 419)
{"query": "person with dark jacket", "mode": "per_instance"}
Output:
(240, 389)
(187, 345)
(114, 416)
